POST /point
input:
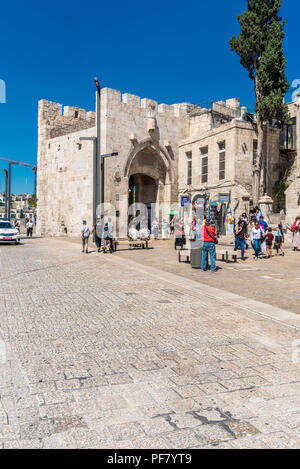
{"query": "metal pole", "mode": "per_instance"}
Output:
(9, 190)
(6, 187)
(94, 182)
(98, 168)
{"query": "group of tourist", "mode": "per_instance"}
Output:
(104, 235)
(253, 228)
(260, 234)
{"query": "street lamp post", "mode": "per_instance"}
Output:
(9, 190)
(6, 187)
(99, 186)
(98, 161)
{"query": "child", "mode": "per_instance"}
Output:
(85, 234)
(279, 240)
(106, 238)
(269, 242)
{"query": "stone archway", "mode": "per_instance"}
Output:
(154, 158)
(150, 175)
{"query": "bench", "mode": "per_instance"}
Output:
(225, 253)
(135, 244)
(184, 254)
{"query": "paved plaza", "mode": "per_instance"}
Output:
(133, 350)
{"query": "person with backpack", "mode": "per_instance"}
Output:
(256, 239)
(85, 234)
(279, 240)
(209, 237)
(269, 242)
(106, 238)
(98, 229)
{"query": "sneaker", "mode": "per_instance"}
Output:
(256, 259)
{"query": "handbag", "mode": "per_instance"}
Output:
(214, 239)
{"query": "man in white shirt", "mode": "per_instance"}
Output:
(29, 227)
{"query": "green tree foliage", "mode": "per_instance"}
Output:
(32, 202)
(260, 47)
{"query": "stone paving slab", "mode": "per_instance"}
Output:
(101, 352)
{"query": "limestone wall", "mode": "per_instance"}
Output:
(64, 186)
(293, 192)
(64, 178)
(234, 134)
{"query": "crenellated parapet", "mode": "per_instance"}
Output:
(55, 121)
(130, 103)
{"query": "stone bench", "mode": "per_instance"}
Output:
(226, 254)
(184, 254)
(135, 244)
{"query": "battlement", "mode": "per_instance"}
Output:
(61, 121)
(126, 101)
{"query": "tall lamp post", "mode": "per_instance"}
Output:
(6, 187)
(98, 160)
(99, 189)
(9, 189)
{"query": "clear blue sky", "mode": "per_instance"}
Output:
(168, 50)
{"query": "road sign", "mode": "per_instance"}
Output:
(185, 201)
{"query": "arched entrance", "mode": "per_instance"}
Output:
(150, 176)
(143, 189)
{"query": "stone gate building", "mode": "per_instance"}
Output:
(167, 153)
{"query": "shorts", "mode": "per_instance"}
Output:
(269, 243)
(85, 240)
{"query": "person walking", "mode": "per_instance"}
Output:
(85, 234)
(155, 228)
(106, 238)
(98, 229)
(209, 247)
(179, 234)
(296, 234)
(17, 226)
(279, 240)
(256, 239)
(240, 237)
(172, 225)
(258, 213)
(111, 235)
(165, 229)
(269, 242)
(29, 228)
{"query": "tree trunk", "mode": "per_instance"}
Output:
(257, 169)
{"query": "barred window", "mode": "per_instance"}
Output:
(204, 164)
(222, 152)
(189, 157)
(254, 151)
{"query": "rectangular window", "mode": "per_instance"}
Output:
(254, 151)
(222, 151)
(189, 168)
(204, 164)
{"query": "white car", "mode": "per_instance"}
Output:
(8, 234)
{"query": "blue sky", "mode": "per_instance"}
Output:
(171, 51)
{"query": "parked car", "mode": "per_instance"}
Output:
(8, 233)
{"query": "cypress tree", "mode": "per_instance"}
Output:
(260, 47)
